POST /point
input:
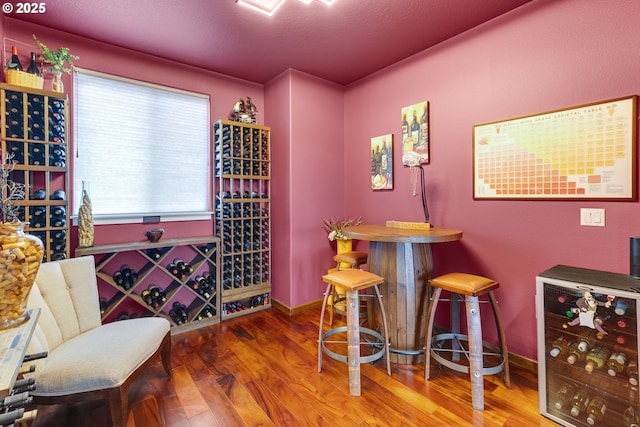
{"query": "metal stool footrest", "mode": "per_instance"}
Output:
(377, 341)
(435, 349)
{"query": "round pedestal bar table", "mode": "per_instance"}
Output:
(403, 258)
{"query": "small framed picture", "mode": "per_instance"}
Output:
(382, 162)
(415, 134)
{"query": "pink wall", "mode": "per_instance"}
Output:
(224, 92)
(308, 181)
(541, 57)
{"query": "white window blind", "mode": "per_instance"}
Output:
(143, 149)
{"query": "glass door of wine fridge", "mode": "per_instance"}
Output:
(588, 347)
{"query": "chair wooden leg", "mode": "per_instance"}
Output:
(475, 352)
(321, 327)
(165, 354)
(502, 338)
(431, 314)
(118, 406)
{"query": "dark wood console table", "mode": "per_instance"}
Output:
(403, 257)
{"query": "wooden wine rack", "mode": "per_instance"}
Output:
(243, 215)
(202, 253)
(35, 132)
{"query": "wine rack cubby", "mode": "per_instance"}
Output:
(588, 353)
(243, 215)
(34, 137)
(177, 279)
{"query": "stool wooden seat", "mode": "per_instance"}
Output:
(349, 259)
(353, 281)
(354, 259)
(471, 287)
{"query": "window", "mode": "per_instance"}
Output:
(142, 148)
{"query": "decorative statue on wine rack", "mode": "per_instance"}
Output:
(244, 111)
(586, 311)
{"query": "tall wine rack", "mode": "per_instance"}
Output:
(243, 215)
(34, 138)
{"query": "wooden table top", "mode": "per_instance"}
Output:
(382, 233)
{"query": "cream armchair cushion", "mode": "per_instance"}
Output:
(88, 360)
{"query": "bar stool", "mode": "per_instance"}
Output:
(350, 259)
(354, 280)
(471, 287)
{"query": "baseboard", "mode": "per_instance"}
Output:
(294, 310)
(523, 362)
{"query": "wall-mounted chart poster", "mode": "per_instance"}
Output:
(415, 134)
(586, 152)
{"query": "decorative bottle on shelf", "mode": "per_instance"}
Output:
(14, 63)
(85, 219)
(33, 65)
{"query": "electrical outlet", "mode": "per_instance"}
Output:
(592, 217)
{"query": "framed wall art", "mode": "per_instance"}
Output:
(415, 134)
(586, 152)
(382, 162)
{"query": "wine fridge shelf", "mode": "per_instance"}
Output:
(149, 265)
(34, 131)
(243, 215)
(579, 350)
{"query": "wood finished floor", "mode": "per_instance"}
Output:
(261, 370)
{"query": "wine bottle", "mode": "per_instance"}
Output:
(33, 65)
(146, 297)
(575, 354)
(631, 415)
(616, 363)
(579, 402)
(14, 64)
(558, 347)
(632, 372)
(596, 358)
(118, 278)
(621, 307)
(596, 410)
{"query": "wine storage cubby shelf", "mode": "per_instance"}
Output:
(177, 279)
(588, 347)
(34, 132)
(243, 215)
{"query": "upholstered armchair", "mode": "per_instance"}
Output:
(88, 360)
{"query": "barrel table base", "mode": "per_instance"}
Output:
(406, 269)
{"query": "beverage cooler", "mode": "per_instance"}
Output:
(588, 347)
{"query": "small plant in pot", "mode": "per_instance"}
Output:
(57, 62)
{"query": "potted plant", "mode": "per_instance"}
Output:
(334, 227)
(59, 61)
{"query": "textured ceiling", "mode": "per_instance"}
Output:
(342, 43)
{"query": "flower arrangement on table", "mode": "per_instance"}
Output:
(334, 227)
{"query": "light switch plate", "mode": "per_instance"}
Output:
(592, 217)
